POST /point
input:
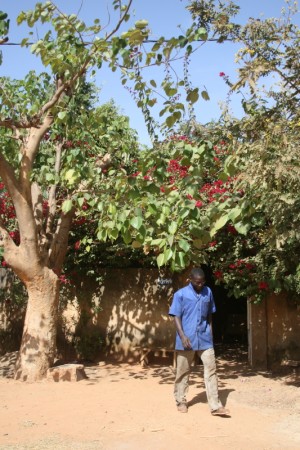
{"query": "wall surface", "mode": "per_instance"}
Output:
(135, 305)
(129, 309)
(274, 332)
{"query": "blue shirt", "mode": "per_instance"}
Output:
(194, 310)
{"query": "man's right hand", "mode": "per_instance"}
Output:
(186, 342)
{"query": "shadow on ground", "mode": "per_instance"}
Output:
(232, 362)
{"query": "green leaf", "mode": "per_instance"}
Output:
(193, 96)
(67, 206)
(184, 245)
(173, 228)
(61, 115)
(198, 243)
(136, 244)
(158, 242)
(141, 24)
(170, 121)
(201, 33)
(234, 214)
(113, 234)
(168, 253)
(70, 176)
(220, 222)
(179, 260)
(127, 236)
(205, 95)
(242, 228)
(160, 259)
(136, 222)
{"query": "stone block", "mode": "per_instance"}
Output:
(66, 372)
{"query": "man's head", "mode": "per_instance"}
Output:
(197, 278)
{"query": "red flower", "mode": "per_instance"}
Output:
(218, 274)
(221, 74)
(231, 229)
(262, 285)
(77, 245)
(63, 279)
(213, 243)
(198, 204)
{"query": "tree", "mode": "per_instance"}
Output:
(264, 161)
(34, 111)
(230, 189)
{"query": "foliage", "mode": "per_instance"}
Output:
(264, 158)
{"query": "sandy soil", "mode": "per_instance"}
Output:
(122, 406)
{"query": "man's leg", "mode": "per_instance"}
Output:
(184, 360)
(211, 382)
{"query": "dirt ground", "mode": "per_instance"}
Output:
(126, 407)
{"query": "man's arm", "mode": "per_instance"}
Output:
(210, 323)
(184, 339)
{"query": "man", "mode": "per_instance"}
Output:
(192, 308)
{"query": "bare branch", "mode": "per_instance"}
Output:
(104, 162)
(120, 21)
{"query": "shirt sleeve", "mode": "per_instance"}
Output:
(212, 308)
(176, 306)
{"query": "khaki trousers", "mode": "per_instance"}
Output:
(184, 361)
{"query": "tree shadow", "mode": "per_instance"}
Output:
(232, 359)
(7, 364)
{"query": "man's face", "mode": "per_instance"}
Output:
(197, 282)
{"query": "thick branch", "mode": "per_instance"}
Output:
(53, 189)
(59, 244)
(8, 177)
(37, 203)
(13, 124)
(29, 150)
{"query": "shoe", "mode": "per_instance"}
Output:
(221, 412)
(182, 407)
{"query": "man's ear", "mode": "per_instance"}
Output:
(188, 280)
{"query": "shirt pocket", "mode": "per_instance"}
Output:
(205, 308)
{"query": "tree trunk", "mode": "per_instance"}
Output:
(38, 344)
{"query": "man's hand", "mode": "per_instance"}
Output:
(185, 341)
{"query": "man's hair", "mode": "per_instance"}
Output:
(197, 272)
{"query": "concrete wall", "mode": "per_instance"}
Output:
(133, 311)
(274, 332)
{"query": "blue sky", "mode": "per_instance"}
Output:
(164, 17)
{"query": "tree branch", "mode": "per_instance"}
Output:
(59, 244)
(120, 21)
(53, 189)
